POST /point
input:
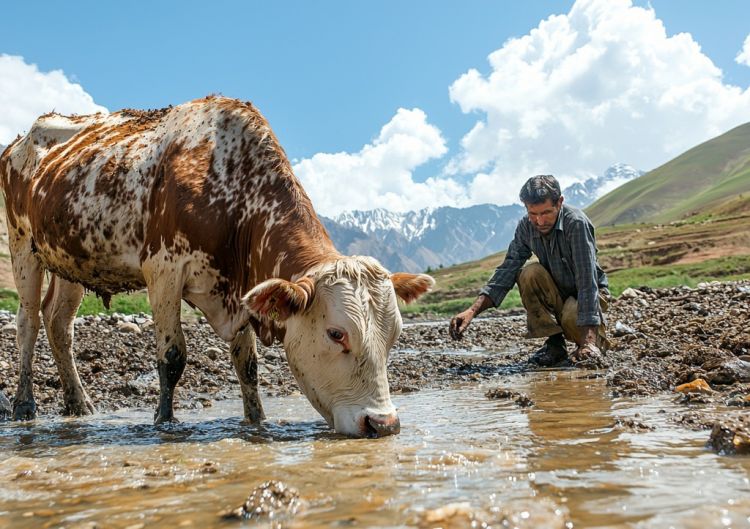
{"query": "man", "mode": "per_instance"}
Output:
(565, 292)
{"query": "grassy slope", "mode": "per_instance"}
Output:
(702, 178)
(685, 253)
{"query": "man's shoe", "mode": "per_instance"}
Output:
(550, 354)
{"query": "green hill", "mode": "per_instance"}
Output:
(711, 177)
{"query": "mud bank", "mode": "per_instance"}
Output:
(662, 339)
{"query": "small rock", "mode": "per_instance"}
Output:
(79, 321)
(621, 329)
(631, 293)
(271, 500)
(730, 436)
(8, 328)
(519, 398)
(696, 386)
(739, 400)
(213, 352)
(729, 372)
(128, 326)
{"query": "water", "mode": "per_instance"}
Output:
(460, 457)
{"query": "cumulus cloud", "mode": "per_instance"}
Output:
(743, 57)
(381, 175)
(603, 84)
(26, 93)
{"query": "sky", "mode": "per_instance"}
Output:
(403, 105)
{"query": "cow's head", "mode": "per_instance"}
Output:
(340, 322)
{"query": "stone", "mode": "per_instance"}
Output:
(729, 372)
(631, 293)
(696, 386)
(730, 437)
(621, 329)
(270, 501)
(213, 352)
(9, 328)
(128, 326)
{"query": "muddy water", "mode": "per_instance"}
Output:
(461, 459)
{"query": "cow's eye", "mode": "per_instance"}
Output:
(335, 335)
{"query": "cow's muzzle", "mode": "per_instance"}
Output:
(381, 425)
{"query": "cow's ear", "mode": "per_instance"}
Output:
(411, 286)
(277, 299)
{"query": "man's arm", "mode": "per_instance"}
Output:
(500, 283)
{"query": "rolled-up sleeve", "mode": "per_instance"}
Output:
(505, 275)
(583, 249)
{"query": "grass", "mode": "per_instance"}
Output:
(454, 306)
(133, 303)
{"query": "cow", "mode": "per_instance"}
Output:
(196, 202)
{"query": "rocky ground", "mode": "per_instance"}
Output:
(691, 342)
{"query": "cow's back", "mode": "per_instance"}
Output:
(123, 187)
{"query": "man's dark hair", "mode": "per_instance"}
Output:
(539, 188)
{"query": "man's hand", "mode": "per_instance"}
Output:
(460, 322)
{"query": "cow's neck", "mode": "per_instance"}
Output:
(293, 243)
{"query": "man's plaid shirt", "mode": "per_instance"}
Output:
(568, 252)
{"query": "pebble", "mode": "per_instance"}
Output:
(631, 293)
(730, 437)
(272, 500)
(9, 328)
(213, 352)
(127, 326)
(696, 386)
(621, 329)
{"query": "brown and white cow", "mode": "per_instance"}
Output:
(196, 202)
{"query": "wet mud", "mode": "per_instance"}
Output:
(695, 341)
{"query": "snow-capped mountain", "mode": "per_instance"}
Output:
(581, 194)
(444, 236)
(428, 238)
(412, 224)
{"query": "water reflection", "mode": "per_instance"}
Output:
(459, 456)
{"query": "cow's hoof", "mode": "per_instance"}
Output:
(24, 411)
(79, 408)
(165, 420)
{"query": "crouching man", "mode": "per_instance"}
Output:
(565, 292)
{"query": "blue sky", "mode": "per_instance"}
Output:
(332, 76)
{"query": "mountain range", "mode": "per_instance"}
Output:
(431, 238)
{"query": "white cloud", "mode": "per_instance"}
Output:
(602, 84)
(743, 57)
(380, 175)
(26, 93)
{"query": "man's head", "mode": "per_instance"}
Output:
(543, 199)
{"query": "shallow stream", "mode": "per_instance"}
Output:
(460, 459)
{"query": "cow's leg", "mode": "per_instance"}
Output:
(58, 310)
(27, 273)
(245, 360)
(165, 295)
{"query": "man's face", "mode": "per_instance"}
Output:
(543, 216)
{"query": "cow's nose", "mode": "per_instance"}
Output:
(382, 425)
